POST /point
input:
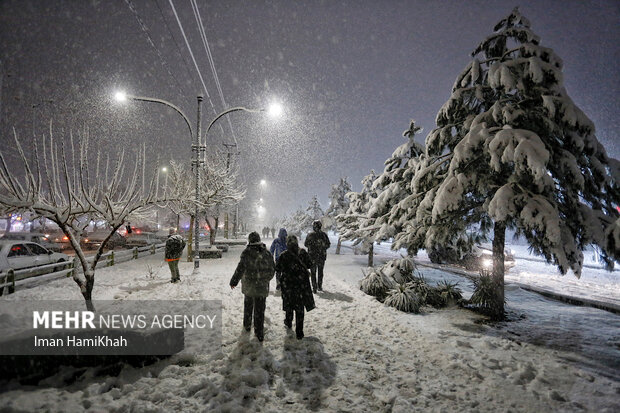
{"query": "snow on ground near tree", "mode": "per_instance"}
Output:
(595, 282)
(358, 355)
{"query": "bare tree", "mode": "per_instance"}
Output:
(71, 186)
(219, 188)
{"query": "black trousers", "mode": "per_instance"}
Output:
(317, 265)
(256, 306)
(299, 320)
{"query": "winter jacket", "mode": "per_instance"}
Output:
(295, 280)
(317, 243)
(174, 247)
(278, 246)
(255, 270)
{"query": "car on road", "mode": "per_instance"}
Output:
(36, 237)
(142, 239)
(479, 258)
(19, 255)
(94, 240)
(59, 238)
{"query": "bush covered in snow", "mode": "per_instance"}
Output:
(377, 283)
(404, 299)
(449, 292)
(401, 270)
(398, 284)
(484, 299)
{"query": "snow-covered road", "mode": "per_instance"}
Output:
(358, 355)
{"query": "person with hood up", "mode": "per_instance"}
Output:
(278, 246)
(317, 243)
(293, 265)
(174, 249)
(255, 270)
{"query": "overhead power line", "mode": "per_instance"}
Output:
(174, 39)
(204, 86)
(145, 29)
(205, 42)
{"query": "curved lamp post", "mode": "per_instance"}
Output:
(274, 110)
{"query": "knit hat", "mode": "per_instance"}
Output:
(253, 238)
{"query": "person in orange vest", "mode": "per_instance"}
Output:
(174, 249)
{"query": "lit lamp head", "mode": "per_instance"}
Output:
(275, 110)
(120, 96)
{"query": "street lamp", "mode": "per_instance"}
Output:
(196, 147)
(274, 110)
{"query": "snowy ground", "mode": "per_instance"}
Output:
(358, 355)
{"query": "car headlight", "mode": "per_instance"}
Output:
(487, 263)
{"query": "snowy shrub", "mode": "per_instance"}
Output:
(404, 299)
(485, 298)
(434, 298)
(377, 284)
(449, 292)
(419, 285)
(402, 270)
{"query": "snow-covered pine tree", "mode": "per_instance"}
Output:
(350, 223)
(521, 155)
(339, 203)
(314, 212)
(394, 186)
(294, 224)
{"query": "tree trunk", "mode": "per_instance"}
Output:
(370, 255)
(86, 285)
(499, 238)
(213, 229)
(338, 246)
(178, 221)
(190, 250)
(87, 291)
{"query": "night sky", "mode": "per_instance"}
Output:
(350, 74)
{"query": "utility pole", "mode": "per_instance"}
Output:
(198, 160)
(228, 146)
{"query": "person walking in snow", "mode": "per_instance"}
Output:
(273, 232)
(255, 270)
(293, 265)
(174, 248)
(317, 243)
(278, 246)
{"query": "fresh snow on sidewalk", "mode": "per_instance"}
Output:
(357, 356)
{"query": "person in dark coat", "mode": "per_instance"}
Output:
(293, 265)
(317, 243)
(278, 246)
(255, 270)
(174, 249)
